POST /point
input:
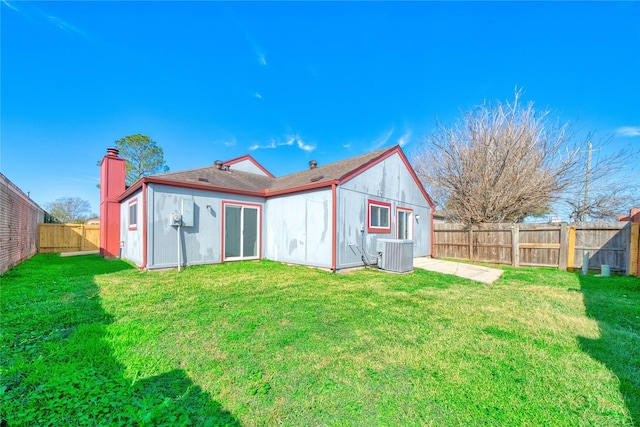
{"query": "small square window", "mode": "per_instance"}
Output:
(379, 218)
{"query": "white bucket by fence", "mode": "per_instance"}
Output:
(605, 270)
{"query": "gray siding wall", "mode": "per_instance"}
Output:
(201, 244)
(248, 166)
(299, 228)
(132, 247)
(389, 181)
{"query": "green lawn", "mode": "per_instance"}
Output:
(85, 341)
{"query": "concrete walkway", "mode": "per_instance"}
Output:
(63, 254)
(468, 271)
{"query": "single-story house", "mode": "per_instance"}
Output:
(329, 216)
(93, 221)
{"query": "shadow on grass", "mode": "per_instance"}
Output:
(614, 302)
(58, 368)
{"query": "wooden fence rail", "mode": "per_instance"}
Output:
(68, 237)
(542, 245)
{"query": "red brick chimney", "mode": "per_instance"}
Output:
(112, 185)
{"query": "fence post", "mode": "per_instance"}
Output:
(471, 243)
(563, 249)
(633, 249)
(515, 245)
(83, 234)
(571, 249)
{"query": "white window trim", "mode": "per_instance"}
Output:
(133, 204)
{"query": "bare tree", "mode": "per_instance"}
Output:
(604, 187)
(69, 210)
(500, 162)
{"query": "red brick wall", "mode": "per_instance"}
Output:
(19, 219)
(112, 185)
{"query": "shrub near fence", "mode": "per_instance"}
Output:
(542, 245)
(69, 237)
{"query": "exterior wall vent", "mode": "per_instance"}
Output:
(395, 255)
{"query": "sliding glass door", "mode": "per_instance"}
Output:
(241, 232)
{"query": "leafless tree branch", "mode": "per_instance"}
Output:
(501, 162)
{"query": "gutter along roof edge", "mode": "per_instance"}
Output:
(186, 184)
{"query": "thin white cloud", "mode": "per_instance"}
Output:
(404, 139)
(258, 51)
(30, 11)
(382, 139)
(262, 57)
(628, 131)
(254, 147)
(229, 143)
(64, 25)
(10, 6)
(257, 95)
(304, 147)
(289, 141)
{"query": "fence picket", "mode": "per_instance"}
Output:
(541, 245)
(68, 237)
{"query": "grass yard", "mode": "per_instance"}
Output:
(86, 341)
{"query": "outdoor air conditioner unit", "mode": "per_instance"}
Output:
(395, 255)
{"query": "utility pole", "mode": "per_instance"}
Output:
(586, 184)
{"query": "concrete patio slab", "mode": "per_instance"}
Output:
(64, 254)
(468, 271)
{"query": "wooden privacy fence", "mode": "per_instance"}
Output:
(542, 245)
(68, 237)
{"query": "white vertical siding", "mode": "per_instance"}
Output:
(389, 181)
(299, 228)
(200, 244)
(248, 166)
(132, 239)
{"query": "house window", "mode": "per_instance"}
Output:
(133, 214)
(379, 217)
(404, 226)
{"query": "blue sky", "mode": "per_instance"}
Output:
(293, 81)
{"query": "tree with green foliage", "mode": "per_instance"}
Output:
(69, 210)
(143, 156)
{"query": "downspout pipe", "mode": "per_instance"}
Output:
(179, 247)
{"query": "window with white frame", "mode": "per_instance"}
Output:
(404, 226)
(379, 217)
(133, 214)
